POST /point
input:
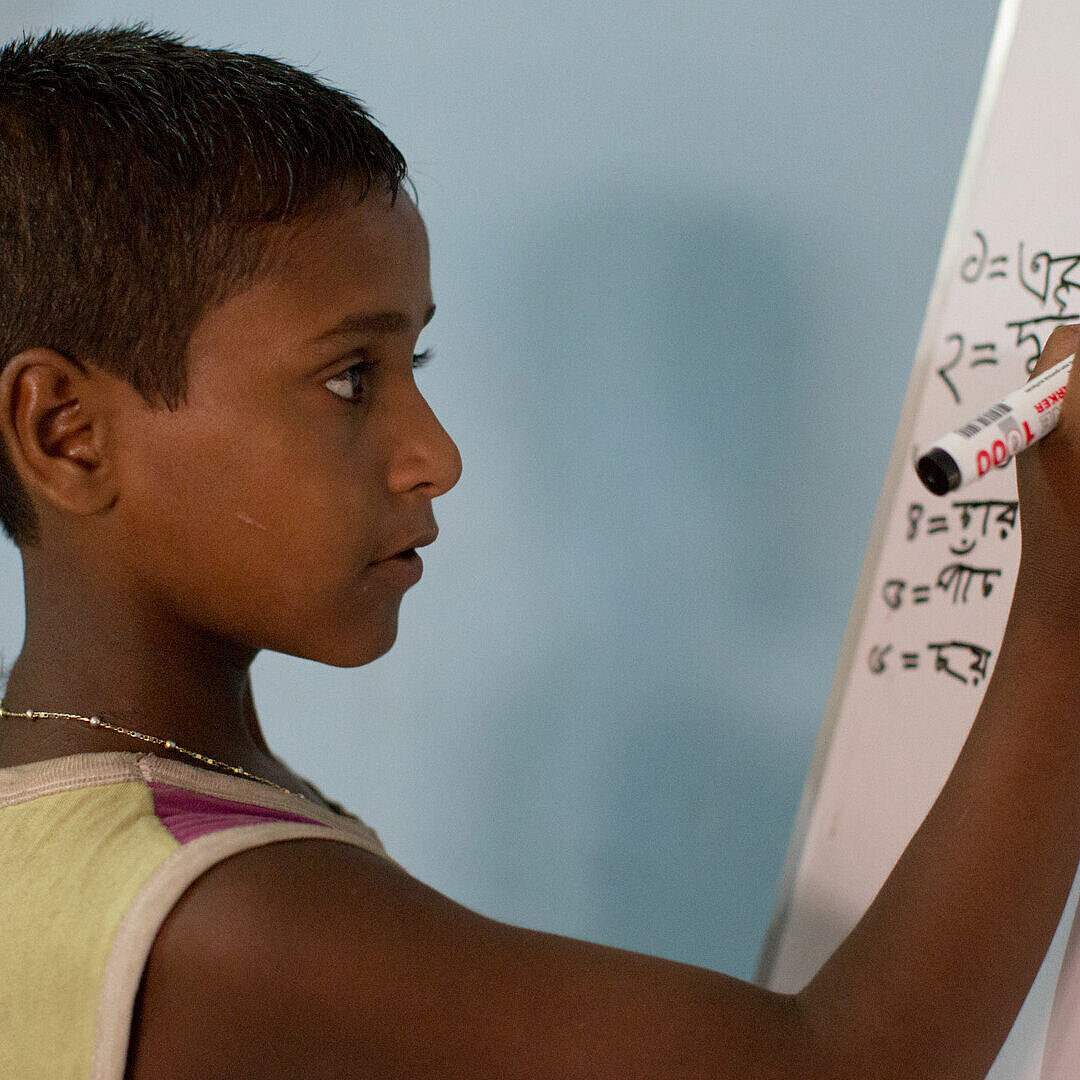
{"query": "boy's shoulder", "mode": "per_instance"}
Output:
(271, 956)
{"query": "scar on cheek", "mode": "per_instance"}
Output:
(251, 521)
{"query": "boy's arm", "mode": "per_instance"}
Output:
(318, 960)
(961, 925)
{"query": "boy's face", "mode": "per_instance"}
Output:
(271, 510)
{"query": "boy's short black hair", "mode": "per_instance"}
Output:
(136, 173)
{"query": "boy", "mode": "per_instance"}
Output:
(214, 283)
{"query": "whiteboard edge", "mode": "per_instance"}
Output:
(986, 102)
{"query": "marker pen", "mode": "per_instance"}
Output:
(998, 434)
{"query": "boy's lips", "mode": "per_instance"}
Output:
(417, 540)
(404, 566)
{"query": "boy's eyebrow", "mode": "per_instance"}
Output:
(377, 322)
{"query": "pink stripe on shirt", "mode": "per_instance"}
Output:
(188, 815)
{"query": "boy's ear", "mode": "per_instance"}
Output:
(54, 423)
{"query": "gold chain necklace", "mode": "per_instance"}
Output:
(167, 744)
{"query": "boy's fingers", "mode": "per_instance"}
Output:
(1048, 476)
(1063, 342)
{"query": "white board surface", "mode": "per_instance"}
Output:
(939, 572)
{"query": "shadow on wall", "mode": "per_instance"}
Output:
(655, 745)
(669, 389)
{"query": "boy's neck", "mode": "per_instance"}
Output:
(89, 655)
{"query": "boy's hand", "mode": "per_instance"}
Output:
(1048, 479)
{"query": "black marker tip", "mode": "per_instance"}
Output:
(938, 471)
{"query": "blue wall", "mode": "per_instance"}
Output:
(681, 255)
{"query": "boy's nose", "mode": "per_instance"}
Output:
(425, 456)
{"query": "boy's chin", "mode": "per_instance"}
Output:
(345, 653)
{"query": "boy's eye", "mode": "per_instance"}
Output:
(349, 384)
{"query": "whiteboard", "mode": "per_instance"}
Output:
(937, 580)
